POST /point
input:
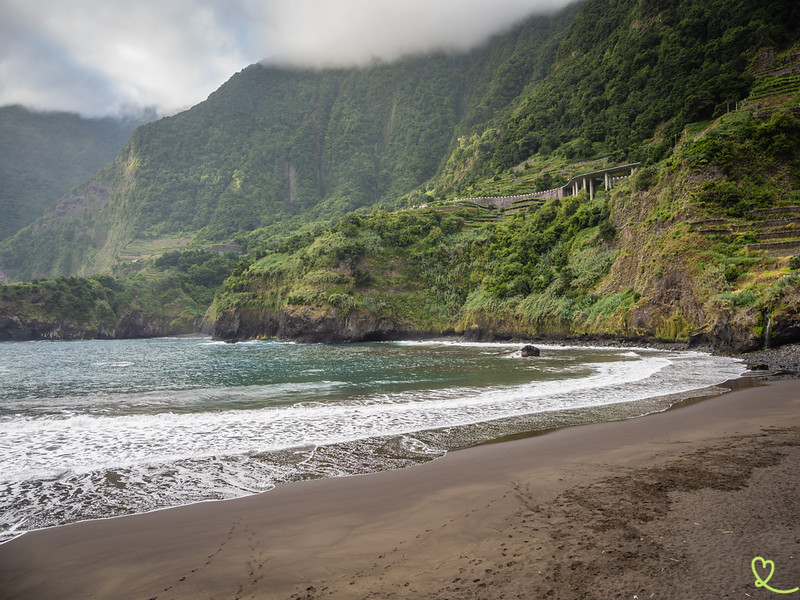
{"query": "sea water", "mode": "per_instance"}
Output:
(94, 429)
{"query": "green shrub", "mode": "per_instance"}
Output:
(739, 299)
(731, 273)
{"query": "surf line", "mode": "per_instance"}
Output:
(761, 563)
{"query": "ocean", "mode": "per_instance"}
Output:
(97, 429)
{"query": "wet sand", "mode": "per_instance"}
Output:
(672, 505)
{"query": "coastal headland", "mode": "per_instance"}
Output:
(670, 505)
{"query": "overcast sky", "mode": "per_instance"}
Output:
(100, 57)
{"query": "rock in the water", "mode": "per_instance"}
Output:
(530, 351)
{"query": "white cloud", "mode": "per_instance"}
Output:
(314, 32)
(99, 56)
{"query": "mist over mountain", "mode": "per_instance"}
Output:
(44, 155)
(276, 147)
(98, 58)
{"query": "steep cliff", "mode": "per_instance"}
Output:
(664, 256)
(275, 148)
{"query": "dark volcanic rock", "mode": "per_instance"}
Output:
(14, 328)
(785, 330)
(312, 325)
(135, 324)
(530, 351)
(727, 338)
(329, 326)
(776, 361)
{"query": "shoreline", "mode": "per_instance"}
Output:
(700, 395)
(669, 402)
(340, 533)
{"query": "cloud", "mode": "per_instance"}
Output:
(344, 32)
(98, 57)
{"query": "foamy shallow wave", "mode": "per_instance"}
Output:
(119, 453)
(86, 443)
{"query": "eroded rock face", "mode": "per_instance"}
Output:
(14, 328)
(311, 325)
(726, 337)
(135, 324)
(234, 326)
(10, 327)
(327, 325)
(785, 330)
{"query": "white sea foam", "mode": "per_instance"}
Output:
(34, 448)
(130, 452)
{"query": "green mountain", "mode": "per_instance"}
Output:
(275, 148)
(627, 78)
(44, 155)
(699, 245)
(699, 248)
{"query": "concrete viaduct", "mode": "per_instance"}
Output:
(589, 181)
(585, 181)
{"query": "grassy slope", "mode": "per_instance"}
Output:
(637, 262)
(46, 154)
(276, 148)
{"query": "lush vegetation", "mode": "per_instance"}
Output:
(637, 261)
(44, 155)
(744, 150)
(198, 273)
(425, 270)
(321, 176)
(274, 148)
(173, 300)
(628, 78)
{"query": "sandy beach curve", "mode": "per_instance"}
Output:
(671, 505)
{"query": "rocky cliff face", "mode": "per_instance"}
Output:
(135, 324)
(311, 324)
(308, 324)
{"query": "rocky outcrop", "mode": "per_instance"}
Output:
(784, 330)
(135, 324)
(529, 350)
(138, 324)
(14, 328)
(313, 325)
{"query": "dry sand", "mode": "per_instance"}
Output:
(673, 505)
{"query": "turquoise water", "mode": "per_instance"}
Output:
(94, 429)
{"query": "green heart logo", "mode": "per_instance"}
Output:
(765, 564)
(761, 565)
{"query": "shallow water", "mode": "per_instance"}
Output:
(94, 429)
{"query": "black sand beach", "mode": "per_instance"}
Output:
(672, 505)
